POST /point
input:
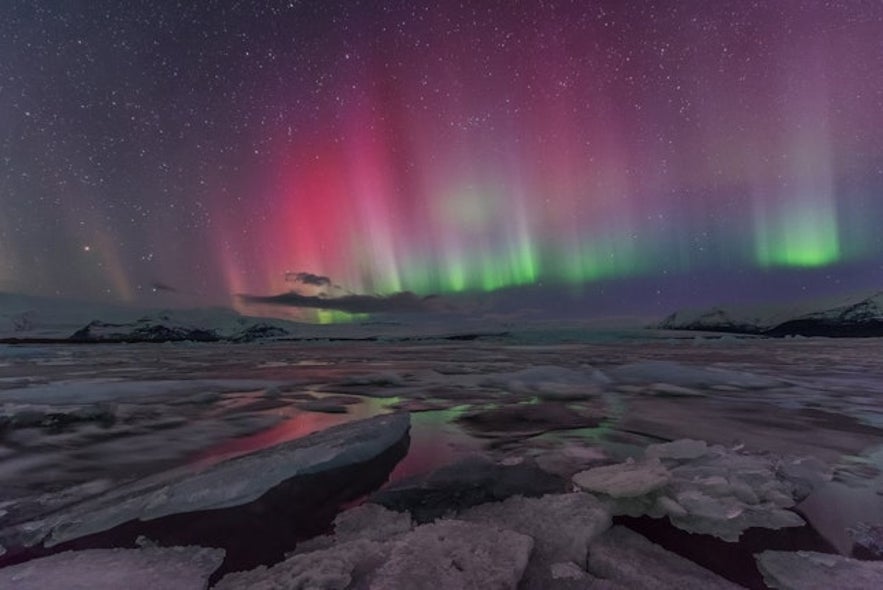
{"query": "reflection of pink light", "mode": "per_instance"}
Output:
(426, 453)
(291, 429)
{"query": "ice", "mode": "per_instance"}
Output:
(630, 560)
(334, 568)
(561, 525)
(708, 490)
(153, 568)
(680, 449)
(91, 391)
(445, 555)
(229, 483)
(525, 418)
(174, 405)
(455, 555)
(869, 537)
(370, 522)
(549, 382)
(688, 375)
(466, 483)
(624, 480)
(808, 570)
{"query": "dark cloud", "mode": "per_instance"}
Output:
(160, 286)
(308, 278)
(404, 301)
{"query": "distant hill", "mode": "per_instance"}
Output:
(862, 317)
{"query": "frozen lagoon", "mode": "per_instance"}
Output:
(779, 450)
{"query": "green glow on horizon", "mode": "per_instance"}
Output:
(807, 238)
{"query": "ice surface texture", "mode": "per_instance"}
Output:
(707, 489)
(561, 525)
(445, 555)
(151, 568)
(632, 562)
(229, 483)
(807, 570)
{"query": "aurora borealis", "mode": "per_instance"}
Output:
(435, 147)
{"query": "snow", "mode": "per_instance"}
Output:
(152, 568)
(634, 563)
(229, 483)
(851, 316)
(807, 570)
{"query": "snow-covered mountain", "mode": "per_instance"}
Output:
(29, 318)
(859, 317)
(194, 325)
(713, 320)
(25, 317)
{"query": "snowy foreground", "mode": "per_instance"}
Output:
(505, 463)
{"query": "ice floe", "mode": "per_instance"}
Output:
(228, 483)
(707, 489)
(444, 555)
(629, 561)
(808, 570)
(149, 568)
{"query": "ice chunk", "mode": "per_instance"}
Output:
(624, 480)
(626, 557)
(230, 483)
(866, 536)
(370, 522)
(679, 449)
(154, 568)
(523, 419)
(466, 483)
(566, 570)
(704, 489)
(808, 570)
(333, 568)
(445, 555)
(688, 375)
(548, 382)
(561, 525)
(455, 555)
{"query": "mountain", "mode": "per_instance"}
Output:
(34, 318)
(861, 319)
(214, 325)
(857, 318)
(714, 320)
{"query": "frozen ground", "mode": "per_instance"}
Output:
(674, 460)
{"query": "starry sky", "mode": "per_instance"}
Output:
(322, 153)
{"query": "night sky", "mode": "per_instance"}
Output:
(343, 148)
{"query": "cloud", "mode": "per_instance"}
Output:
(160, 286)
(308, 278)
(402, 302)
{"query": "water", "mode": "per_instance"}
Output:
(82, 419)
